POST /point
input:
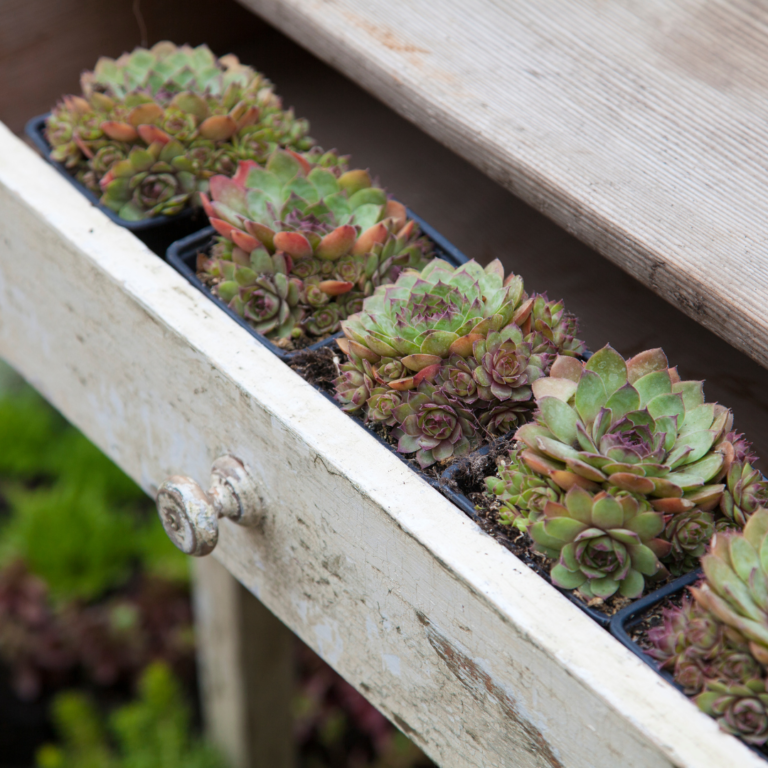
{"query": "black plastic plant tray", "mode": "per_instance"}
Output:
(182, 256)
(157, 233)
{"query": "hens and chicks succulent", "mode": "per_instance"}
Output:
(153, 126)
(631, 436)
(716, 644)
(302, 241)
(448, 355)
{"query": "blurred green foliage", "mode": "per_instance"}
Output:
(151, 732)
(76, 519)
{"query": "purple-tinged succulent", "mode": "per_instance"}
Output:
(260, 289)
(460, 329)
(434, 426)
(550, 327)
(506, 366)
(739, 708)
(745, 492)
(382, 403)
(736, 585)
(354, 384)
(689, 533)
(501, 418)
(340, 235)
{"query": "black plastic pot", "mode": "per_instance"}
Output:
(633, 614)
(182, 255)
(157, 233)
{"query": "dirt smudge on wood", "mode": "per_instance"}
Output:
(481, 686)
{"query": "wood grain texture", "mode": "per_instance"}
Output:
(637, 126)
(463, 647)
(246, 663)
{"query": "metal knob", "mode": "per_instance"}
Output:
(191, 515)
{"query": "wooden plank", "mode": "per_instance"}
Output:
(246, 661)
(636, 126)
(464, 648)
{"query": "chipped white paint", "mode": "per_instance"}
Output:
(637, 126)
(497, 668)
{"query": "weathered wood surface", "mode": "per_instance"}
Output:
(637, 126)
(463, 647)
(246, 662)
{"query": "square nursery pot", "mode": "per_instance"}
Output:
(182, 255)
(156, 233)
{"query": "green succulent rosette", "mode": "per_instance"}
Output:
(735, 590)
(603, 543)
(610, 424)
(739, 708)
(459, 342)
(261, 290)
(746, 491)
(158, 180)
(522, 494)
(427, 316)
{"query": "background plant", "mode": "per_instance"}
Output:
(152, 732)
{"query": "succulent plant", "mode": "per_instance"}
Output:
(550, 325)
(603, 543)
(689, 533)
(517, 487)
(453, 342)
(633, 426)
(434, 426)
(354, 384)
(263, 292)
(695, 646)
(739, 708)
(338, 234)
(158, 180)
(381, 404)
(218, 110)
(736, 587)
(717, 644)
(426, 317)
(745, 492)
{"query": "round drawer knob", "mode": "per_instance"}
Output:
(191, 515)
